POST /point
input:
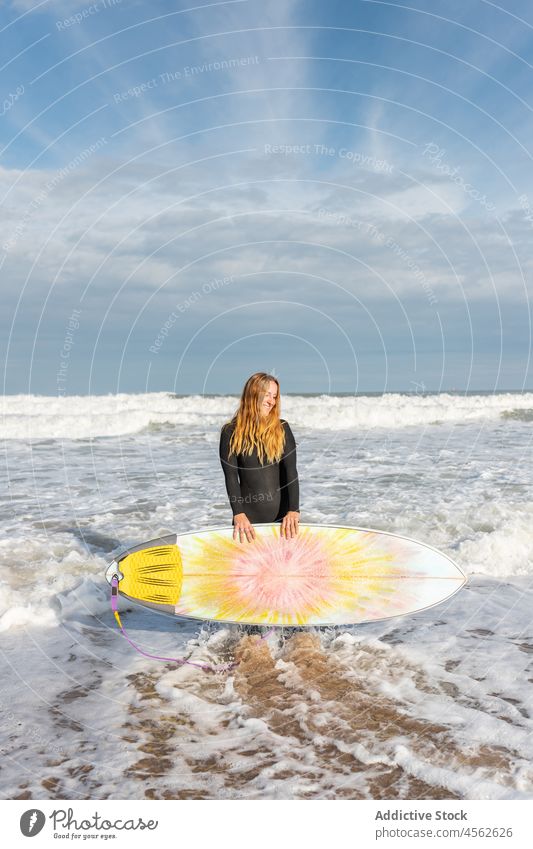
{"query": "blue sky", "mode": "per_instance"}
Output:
(337, 192)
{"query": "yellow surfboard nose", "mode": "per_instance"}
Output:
(153, 574)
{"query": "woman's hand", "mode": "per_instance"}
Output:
(242, 525)
(289, 524)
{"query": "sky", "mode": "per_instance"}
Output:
(337, 193)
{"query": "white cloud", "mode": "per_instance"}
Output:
(429, 250)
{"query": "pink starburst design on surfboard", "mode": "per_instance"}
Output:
(318, 576)
(286, 575)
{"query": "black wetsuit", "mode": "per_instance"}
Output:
(264, 492)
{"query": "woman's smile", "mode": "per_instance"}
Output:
(269, 399)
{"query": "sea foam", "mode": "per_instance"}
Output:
(91, 416)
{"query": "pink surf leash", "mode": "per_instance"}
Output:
(225, 667)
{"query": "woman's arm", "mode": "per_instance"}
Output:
(289, 523)
(241, 523)
(231, 472)
(288, 460)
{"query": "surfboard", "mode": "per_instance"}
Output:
(325, 575)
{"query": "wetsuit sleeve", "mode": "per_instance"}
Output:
(231, 472)
(288, 460)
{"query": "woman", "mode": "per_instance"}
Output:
(258, 456)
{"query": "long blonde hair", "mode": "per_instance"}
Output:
(252, 430)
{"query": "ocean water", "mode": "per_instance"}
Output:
(434, 705)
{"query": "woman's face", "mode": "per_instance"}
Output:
(269, 398)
